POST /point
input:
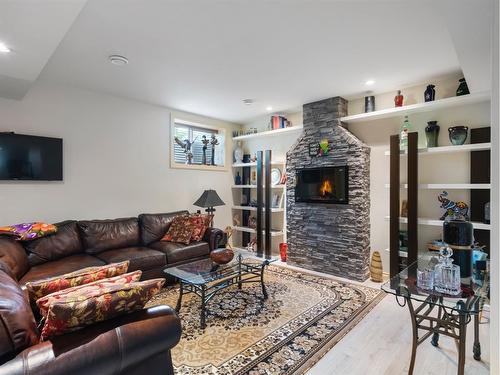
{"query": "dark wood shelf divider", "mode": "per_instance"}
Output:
(260, 196)
(394, 206)
(412, 197)
(268, 205)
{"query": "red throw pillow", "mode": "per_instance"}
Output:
(81, 310)
(180, 230)
(87, 289)
(40, 288)
(200, 225)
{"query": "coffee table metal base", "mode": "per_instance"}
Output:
(248, 273)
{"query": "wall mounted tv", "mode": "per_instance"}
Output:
(26, 157)
(322, 185)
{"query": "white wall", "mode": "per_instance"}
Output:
(116, 159)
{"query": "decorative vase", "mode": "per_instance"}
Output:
(283, 251)
(430, 93)
(376, 267)
(398, 99)
(458, 135)
(432, 133)
(238, 153)
(222, 256)
(237, 179)
(462, 89)
(369, 104)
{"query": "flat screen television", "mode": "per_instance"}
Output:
(26, 157)
(322, 185)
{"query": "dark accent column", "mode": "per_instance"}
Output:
(480, 174)
(246, 197)
(267, 212)
(394, 206)
(412, 197)
(260, 202)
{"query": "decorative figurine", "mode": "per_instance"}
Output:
(369, 103)
(453, 209)
(324, 147)
(251, 245)
(458, 135)
(214, 142)
(236, 220)
(432, 133)
(205, 142)
(462, 89)
(186, 146)
(252, 222)
(430, 93)
(238, 153)
(283, 251)
(398, 99)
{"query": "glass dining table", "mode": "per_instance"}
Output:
(436, 313)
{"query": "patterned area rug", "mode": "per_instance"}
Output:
(304, 316)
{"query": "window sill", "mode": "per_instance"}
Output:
(199, 167)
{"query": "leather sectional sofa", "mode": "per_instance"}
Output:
(133, 344)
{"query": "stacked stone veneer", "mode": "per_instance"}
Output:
(330, 238)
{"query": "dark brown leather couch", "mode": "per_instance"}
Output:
(133, 344)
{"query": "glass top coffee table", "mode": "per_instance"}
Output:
(453, 314)
(206, 278)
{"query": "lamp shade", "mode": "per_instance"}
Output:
(209, 198)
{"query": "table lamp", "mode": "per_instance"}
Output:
(208, 200)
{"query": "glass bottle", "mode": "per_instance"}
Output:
(403, 134)
(447, 274)
(398, 99)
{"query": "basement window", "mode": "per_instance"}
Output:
(197, 146)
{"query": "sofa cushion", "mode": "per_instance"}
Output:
(17, 324)
(60, 267)
(83, 308)
(40, 288)
(180, 230)
(63, 243)
(45, 302)
(177, 252)
(154, 226)
(13, 255)
(101, 235)
(141, 258)
(28, 231)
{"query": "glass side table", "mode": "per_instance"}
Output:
(454, 312)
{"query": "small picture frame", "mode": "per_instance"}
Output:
(277, 200)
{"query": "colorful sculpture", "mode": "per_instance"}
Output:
(453, 209)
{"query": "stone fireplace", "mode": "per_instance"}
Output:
(330, 238)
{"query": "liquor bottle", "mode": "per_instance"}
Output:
(403, 134)
(398, 99)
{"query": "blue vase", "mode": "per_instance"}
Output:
(430, 93)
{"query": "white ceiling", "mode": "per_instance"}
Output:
(206, 56)
(32, 29)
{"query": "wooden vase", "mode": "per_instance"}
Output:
(376, 267)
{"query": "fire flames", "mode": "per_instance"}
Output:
(325, 188)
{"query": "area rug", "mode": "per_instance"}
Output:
(304, 316)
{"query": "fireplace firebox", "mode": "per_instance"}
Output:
(322, 185)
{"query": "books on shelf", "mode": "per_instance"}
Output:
(279, 122)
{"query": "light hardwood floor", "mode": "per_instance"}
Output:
(380, 345)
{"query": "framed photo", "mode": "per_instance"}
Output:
(277, 200)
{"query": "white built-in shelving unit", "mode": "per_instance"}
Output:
(269, 133)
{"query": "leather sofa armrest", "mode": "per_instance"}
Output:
(108, 347)
(214, 237)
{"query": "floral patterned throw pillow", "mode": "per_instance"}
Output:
(87, 289)
(39, 289)
(79, 311)
(200, 225)
(28, 231)
(180, 230)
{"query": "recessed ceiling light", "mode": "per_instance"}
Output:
(369, 82)
(118, 60)
(248, 101)
(269, 108)
(4, 48)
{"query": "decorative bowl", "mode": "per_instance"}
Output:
(458, 135)
(222, 256)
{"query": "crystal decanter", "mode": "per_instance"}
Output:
(447, 274)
